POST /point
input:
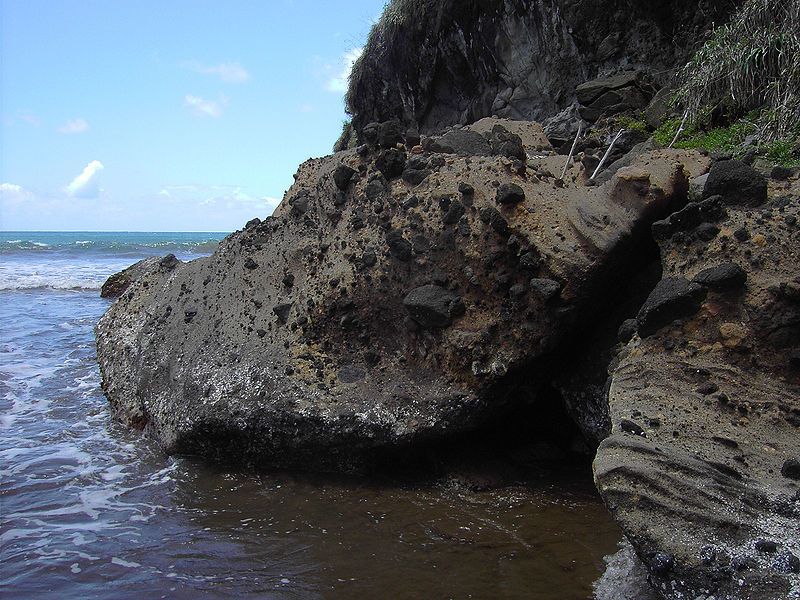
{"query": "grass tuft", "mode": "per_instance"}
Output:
(751, 62)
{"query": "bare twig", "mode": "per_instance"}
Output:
(572, 151)
(605, 156)
(680, 129)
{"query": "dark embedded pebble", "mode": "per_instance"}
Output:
(743, 563)
(791, 469)
(410, 202)
(707, 388)
(288, 280)
(493, 217)
(249, 263)
(169, 262)
(415, 176)
(724, 276)
(741, 234)
(529, 261)
(432, 306)
(510, 193)
(707, 231)
(708, 554)
(300, 203)
(517, 290)
(369, 259)
(672, 298)
(737, 182)
(391, 163)
(466, 189)
(790, 220)
(786, 562)
(453, 214)
(662, 563)
(767, 546)
(780, 172)
(282, 312)
(399, 247)
(546, 289)
(342, 176)
(629, 426)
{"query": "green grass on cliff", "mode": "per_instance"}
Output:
(751, 62)
(732, 138)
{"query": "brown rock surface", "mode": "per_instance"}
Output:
(231, 358)
(706, 411)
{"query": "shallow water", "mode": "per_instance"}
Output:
(91, 509)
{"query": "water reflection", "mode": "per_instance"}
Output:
(91, 509)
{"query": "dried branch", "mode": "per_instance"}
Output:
(605, 156)
(572, 151)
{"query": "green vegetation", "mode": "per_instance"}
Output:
(634, 122)
(730, 138)
(752, 62)
(346, 138)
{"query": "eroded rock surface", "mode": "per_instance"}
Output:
(705, 409)
(373, 313)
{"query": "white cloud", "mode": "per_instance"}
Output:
(24, 116)
(339, 83)
(11, 192)
(29, 118)
(231, 72)
(200, 107)
(74, 126)
(86, 184)
(231, 197)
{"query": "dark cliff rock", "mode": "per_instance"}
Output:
(436, 63)
(401, 323)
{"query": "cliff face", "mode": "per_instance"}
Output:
(434, 64)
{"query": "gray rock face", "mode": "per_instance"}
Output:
(705, 416)
(435, 64)
(612, 95)
(327, 368)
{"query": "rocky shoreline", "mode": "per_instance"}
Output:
(413, 287)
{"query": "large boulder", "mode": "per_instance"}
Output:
(705, 410)
(737, 183)
(605, 96)
(359, 321)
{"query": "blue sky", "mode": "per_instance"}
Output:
(170, 115)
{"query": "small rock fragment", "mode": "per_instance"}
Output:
(432, 306)
(510, 193)
(673, 298)
(791, 469)
(342, 176)
(721, 277)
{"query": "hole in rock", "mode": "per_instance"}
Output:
(535, 439)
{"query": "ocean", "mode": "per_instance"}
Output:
(92, 509)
